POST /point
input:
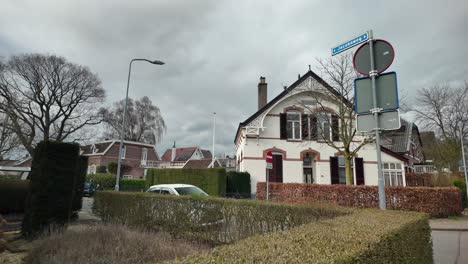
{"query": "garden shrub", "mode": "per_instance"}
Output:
(215, 220)
(438, 202)
(82, 169)
(212, 181)
(462, 186)
(112, 167)
(238, 184)
(10, 177)
(367, 236)
(132, 185)
(13, 194)
(106, 181)
(101, 169)
(54, 178)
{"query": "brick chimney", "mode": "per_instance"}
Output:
(173, 153)
(262, 93)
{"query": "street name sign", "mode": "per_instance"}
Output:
(383, 57)
(387, 93)
(350, 43)
(387, 121)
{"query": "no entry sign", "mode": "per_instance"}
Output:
(269, 160)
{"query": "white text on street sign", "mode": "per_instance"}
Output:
(350, 43)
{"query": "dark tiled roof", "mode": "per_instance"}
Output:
(199, 164)
(184, 154)
(100, 148)
(206, 154)
(398, 140)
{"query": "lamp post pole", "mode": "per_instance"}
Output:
(124, 119)
(214, 135)
(464, 160)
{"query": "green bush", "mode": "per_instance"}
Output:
(54, 177)
(212, 181)
(10, 177)
(79, 183)
(112, 167)
(106, 181)
(367, 236)
(101, 169)
(132, 185)
(13, 194)
(238, 184)
(462, 186)
(215, 220)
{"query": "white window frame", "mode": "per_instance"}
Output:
(321, 126)
(144, 155)
(393, 176)
(293, 129)
(92, 169)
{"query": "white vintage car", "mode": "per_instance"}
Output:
(176, 189)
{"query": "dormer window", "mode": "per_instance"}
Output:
(94, 149)
(293, 126)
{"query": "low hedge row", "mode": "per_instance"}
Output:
(212, 181)
(106, 181)
(367, 236)
(209, 219)
(13, 194)
(438, 202)
(132, 185)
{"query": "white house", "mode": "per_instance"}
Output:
(288, 125)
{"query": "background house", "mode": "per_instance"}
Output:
(186, 157)
(288, 129)
(135, 156)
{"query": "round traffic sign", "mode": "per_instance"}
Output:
(269, 157)
(383, 57)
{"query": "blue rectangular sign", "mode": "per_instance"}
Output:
(350, 43)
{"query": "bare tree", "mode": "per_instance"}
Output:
(444, 109)
(8, 140)
(340, 74)
(48, 98)
(144, 121)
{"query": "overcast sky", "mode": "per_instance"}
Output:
(215, 51)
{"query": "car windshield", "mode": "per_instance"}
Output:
(190, 191)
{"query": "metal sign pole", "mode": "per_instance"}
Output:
(267, 183)
(464, 161)
(373, 73)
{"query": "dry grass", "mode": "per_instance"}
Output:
(109, 244)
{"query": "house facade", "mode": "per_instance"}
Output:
(135, 156)
(289, 127)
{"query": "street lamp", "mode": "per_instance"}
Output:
(122, 131)
(464, 160)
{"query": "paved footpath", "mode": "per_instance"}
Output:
(450, 240)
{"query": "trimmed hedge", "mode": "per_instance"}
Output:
(101, 169)
(438, 202)
(367, 236)
(132, 185)
(462, 186)
(13, 194)
(238, 184)
(212, 181)
(214, 220)
(419, 179)
(106, 181)
(55, 178)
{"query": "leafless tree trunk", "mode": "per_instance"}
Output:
(48, 98)
(340, 74)
(144, 121)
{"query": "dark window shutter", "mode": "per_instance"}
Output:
(305, 127)
(283, 132)
(359, 163)
(334, 173)
(335, 128)
(313, 127)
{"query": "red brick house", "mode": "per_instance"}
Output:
(135, 156)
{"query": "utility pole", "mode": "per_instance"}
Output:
(214, 135)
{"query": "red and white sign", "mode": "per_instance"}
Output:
(269, 160)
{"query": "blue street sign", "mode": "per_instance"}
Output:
(350, 43)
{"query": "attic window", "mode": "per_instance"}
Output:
(93, 149)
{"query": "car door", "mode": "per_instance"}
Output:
(166, 191)
(155, 190)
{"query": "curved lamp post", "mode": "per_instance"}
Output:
(122, 131)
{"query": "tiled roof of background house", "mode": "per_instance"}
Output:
(199, 164)
(398, 140)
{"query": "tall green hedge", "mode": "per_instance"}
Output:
(462, 186)
(133, 185)
(13, 194)
(238, 184)
(366, 236)
(209, 219)
(55, 182)
(106, 181)
(212, 181)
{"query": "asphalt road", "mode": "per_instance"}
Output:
(450, 247)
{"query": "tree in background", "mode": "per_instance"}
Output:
(48, 98)
(144, 121)
(444, 110)
(8, 140)
(338, 71)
